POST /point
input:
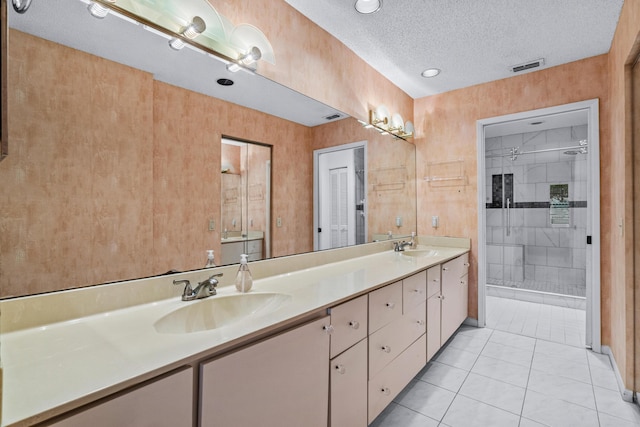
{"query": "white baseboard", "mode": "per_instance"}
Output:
(627, 395)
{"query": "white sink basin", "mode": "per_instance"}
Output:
(420, 252)
(218, 311)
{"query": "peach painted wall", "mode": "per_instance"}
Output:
(104, 183)
(187, 178)
(311, 61)
(446, 129)
(66, 204)
(391, 174)
(624, 50)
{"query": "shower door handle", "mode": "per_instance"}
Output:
(508, 216)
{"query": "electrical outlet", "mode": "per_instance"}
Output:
(212, 224)
(435, 221)
(398, 221)
(278, 222)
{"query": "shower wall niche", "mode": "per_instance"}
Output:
(536, 212)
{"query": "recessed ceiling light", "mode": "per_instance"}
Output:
(225, 82)
(368, 6)
(430, 72)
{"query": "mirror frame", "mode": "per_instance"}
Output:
(4, 71)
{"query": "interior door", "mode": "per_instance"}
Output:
(336, 199)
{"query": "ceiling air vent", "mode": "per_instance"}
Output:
(527, 66)
(332, 117)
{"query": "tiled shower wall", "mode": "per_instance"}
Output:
(536, 255)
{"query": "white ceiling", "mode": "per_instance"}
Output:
(471, 41)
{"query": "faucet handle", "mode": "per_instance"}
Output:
(212, 282)
(187, 287)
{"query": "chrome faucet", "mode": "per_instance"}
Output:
(205, 289)
(399, 246)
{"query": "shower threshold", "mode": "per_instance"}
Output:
(548, 298)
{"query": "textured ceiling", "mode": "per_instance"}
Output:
(471, 41)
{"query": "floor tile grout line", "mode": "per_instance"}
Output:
(465, 378)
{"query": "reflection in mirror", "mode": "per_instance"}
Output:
(115, 140)
(245, 200)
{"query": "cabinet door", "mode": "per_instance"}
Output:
(433, 325)
(349, 387)
(165, 402)
(349, 321)
(281, 381)
(414, 290)
(454, 297)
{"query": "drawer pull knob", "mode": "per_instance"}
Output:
(341, 369)
(436, 280)
(386, 349)
(462, 282)
(328, 329)
(390, 304)
(466, 264)
(418, 291)
(445, 268)
(354, 324)
(385, 390)
(421, 322)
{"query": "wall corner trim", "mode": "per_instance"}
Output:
(627, 395)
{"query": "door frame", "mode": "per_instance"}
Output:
(316, 182)
(592, 333)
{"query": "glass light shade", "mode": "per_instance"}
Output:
(397, 123)
(97, 10)
(245, 37)
(368, 6)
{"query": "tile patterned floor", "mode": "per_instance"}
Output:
(492, 378)
(552, 323)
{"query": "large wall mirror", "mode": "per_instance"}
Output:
(116, 154)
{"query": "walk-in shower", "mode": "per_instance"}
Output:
(536, 211)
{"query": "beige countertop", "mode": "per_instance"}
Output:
(52, 368)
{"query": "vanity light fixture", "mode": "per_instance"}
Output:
(98, 10)
(386, 124)
(368, 6)
(430, 72)
(248, 60)
(191, 31)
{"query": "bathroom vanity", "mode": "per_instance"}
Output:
(323, 339)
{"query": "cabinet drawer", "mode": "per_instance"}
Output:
(385, 306)
(457, 267)
(254, 246)
(388, 383)
(348, 398)
(349, 321)
(391, 340)
(433, 280)
(414, 290)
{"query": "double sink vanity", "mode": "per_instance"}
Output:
(323, 339)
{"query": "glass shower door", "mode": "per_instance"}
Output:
(505, 253)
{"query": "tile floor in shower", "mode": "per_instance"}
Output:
(486, 377)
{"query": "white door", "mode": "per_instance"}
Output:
(336, 201)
